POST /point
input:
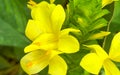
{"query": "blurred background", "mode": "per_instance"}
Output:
(14, 15)
(13, 18)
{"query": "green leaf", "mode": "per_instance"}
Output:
(10, 37)
(14, 13)
(19, 53)
(13, 19)
(73, 61)
(100, 14)
(7, 52)
(87, 16)
(115, 24)
(3, 63)
(97, 24)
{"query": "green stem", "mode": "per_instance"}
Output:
(108, 29)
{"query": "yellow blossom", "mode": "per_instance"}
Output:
(52, 1)
(99, 35)
(93, 62)
(44, 29)
(106, 2)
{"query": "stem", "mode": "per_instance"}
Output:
(108, 29)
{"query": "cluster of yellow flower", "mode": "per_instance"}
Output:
(93, 62)
(48, 39)
(44, 29)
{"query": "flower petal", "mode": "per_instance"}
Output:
(91, 63)
(114, 52)
(57, 66)
(34, 29)
(67, 30)
(35, 61)
(99, 51)
(57, 18)
(106, 2)
(42, 13)
(44, 41)
(52, 1)
(110, 68)
(99, 35)
(68, 44)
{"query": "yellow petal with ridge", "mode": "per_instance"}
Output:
(114, 52)
(91, 63)
(57, 66)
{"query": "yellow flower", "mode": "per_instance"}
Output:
(99, 35)
(106, 2)
(48, 40)
(52, 1)
(93, 62)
